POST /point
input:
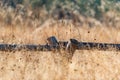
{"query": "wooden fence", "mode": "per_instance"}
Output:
(53, 44)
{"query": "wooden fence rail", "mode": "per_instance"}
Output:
(53, 44)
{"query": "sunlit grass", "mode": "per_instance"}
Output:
(92, 64)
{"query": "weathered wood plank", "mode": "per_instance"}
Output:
(99, 46)
(52, 44)
(79, 46)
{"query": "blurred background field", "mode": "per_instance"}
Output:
(31, 13)
(33, 21)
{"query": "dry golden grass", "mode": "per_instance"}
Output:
(92, 65)
(86, 65)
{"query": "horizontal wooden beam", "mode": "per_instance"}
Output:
(30, 47)
(99, 46)
(63, 45)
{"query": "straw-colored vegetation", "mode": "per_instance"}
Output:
(92, 64)
(31, 23)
